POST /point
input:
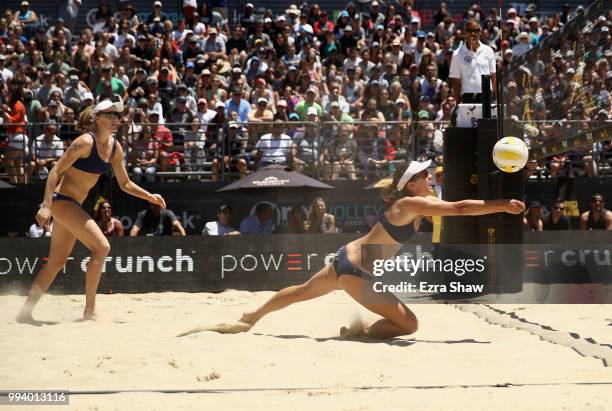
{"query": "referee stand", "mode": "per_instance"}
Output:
(469, 172)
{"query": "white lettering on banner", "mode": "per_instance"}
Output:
(26, 262)
(106, 260)
(271, 260)
(128, 265)
(84, 264)
(180, 259)
(223, 269)
(598, 260)
(252, 257)
(66, 265)
(186, 220)
(160, 264)
(309, 256)
(583, 254)
(565, 257)
(148, 260)
(10, 265)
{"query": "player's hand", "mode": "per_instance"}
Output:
(515, 206)
(157, 199)
(43, 217)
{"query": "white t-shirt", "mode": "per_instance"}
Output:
(52, 149)
(469, 66)
(37, 231)
(275, 150)
(214, 228)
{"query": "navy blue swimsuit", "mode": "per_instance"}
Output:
(90, 164)
(400, 233)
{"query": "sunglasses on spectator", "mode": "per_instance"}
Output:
(597, 201)
(473, 30)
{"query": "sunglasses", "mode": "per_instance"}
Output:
(473, 30)
(597, 201)
(560, 208)
(422, 174)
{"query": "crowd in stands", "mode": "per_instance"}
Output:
(335, 96)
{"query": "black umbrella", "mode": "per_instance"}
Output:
(275, 176)
(5, 185)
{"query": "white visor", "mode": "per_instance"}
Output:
(414, 168)
(106, 104)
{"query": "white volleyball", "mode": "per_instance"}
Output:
(510, 154)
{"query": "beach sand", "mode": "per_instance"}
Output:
(476, 357)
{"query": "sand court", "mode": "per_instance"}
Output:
(294, 358)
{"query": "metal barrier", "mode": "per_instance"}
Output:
(324, 150)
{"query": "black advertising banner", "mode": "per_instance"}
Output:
(211, 264)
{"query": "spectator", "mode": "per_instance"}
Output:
(48, 149)
(103, 216)
(309, 101)
(14, 113)
(533, 217)
(439, 182)
(556, 219)
(221, 226)
(340, 155)
(234, 155)
(145, 155)
(274, 148)
(154, 221)
(38, 231)
(163, 137)
(597, 218)
(306, 150)
(260, 222)
(237, 104)
(319, 221)
(296, 220)
(523, 45)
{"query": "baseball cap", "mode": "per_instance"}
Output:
(533, 20)
(400, 100)
(312, 111)
(262, 100)
(510, 11)
(157, 4)
(212, 31)
(224, 207)
(232, 124)
(311, 90)
(420, 35)
(219, 104)
(282, 103)
(107, 104)
(88, 96)
(348, 28)
(423, 115)
(153, 113)
(294, 116)
(333, 104)
(189, 64)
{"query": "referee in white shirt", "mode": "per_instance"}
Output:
(470, 61)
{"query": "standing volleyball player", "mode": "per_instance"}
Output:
(68, 184)
(407, 200)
